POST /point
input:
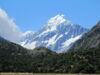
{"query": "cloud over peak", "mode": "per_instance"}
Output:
(8, 29)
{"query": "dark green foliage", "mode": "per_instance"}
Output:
(14, 58)
(87, 61)
(41, 52)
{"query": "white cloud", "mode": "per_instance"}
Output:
(8, 29)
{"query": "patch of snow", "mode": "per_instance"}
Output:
(28, 32)
(67, 43)
(23, 43)
(53, 28)
(59, 37)
(51, 41)
(48, 30)
(56, 20)
(43, 33)
(66, 33)
(29, 45)
(71, 40)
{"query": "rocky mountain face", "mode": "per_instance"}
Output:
(91, 39)
(58, 34)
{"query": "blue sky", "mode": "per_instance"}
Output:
(32, 14)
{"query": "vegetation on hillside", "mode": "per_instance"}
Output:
(14, 58)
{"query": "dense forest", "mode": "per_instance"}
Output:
(14, 58)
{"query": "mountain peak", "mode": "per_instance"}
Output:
(58, 19)
(57, 34)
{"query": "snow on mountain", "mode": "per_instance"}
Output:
(26, 37)
(28, 33)
(56, 20)
(58, 34)
(68, 43)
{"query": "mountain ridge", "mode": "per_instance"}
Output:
(91, 39)
(54, 33)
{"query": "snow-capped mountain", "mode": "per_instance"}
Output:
(58, 34)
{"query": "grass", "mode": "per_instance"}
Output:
(41, 74)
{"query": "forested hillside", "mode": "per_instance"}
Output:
(14, 58)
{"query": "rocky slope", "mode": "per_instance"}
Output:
(91, 39)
